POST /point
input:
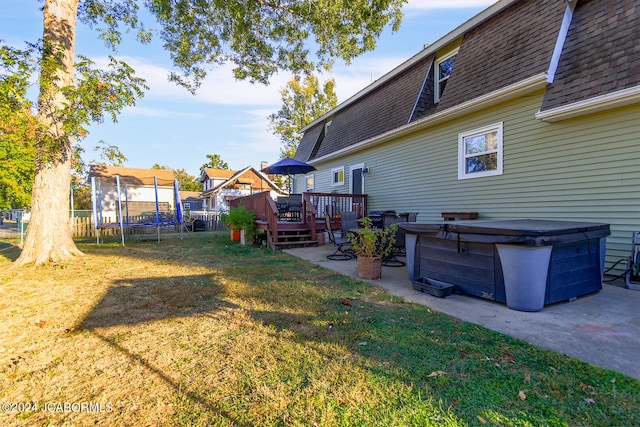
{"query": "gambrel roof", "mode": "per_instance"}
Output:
(576, 49)
(388, 107)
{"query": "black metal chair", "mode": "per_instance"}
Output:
(282, 203)
(348, 221)
(392, 260)
(342, 245)
(295, 206)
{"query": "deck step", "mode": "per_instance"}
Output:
(294, 237)
(296, 244)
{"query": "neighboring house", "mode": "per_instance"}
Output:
(136, 186)
(531, 109)
(220, 186)
(191, 201)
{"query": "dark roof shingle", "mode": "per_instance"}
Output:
(601, 54)
(512, 45)
(387, 107)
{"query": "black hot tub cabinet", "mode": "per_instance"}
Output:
(524, 263)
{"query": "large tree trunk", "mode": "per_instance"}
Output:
(49, 236)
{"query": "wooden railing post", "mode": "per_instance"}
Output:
(310, 215)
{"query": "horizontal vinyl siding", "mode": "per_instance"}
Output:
(585, 169)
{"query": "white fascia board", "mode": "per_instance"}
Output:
(562, 37)
(592, 105)
(428, 50)
(536, 82)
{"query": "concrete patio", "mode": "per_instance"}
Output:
(602, 329)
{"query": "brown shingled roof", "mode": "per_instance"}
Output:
(601, 53)
(506, 45)
(219, 173)
(133, 175)
(387, 107)
(512, 45)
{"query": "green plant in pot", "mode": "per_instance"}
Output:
(241, 222)
(372, 245)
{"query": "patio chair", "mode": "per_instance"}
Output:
(282, 203)
(342, 245)
(392, 260)
(295, 206)
(349, 222)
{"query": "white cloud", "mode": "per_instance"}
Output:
(255, 127)
(161, 113)
(219, 87)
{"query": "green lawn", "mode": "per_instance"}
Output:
(204, 332)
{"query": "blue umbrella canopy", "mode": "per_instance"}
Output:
(288, 166)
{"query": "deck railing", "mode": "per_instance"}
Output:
(335, 203)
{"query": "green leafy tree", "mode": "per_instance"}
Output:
(259, 37)
(302, 103)
(214, 161)
(17, 129)
(186, 181)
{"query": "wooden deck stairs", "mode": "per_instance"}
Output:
(291, 234)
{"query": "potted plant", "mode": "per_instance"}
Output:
(371, 246)
(248, 228)
(241, 222)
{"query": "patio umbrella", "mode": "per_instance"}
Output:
(288, 166)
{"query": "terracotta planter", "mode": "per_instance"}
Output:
(235, 235)
(369, 268)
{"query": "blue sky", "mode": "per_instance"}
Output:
(170, 126)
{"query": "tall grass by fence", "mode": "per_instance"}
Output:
(83, 226)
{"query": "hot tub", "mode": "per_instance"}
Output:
(524, 263)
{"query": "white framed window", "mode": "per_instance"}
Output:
(337, 176)
(327, 125)
(480, 152)
(308, 182)
(443, 69)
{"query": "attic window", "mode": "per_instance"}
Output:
(444, 67)
(318, 143)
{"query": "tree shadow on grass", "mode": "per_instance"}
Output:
(138, 301)
(134, 301)
(385, 335)
(368, 330)
(9, 251)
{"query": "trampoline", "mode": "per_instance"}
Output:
(136, 206)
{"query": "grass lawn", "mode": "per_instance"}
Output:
(204, 332)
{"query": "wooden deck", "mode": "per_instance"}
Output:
(304, 232)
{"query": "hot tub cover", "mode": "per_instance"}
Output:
(530, 232)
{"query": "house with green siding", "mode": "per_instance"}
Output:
(531, 109)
